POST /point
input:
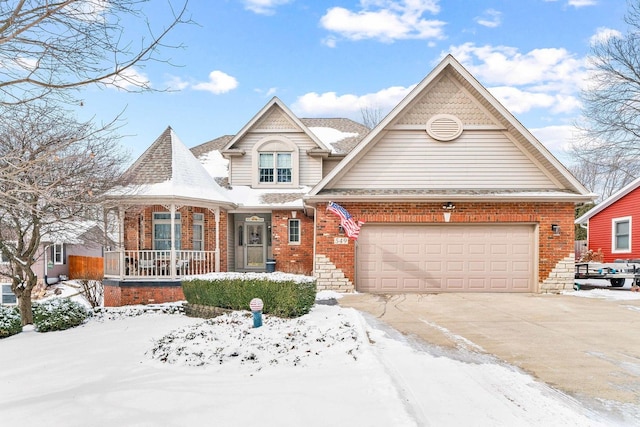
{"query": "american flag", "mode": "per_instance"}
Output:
(351, 227)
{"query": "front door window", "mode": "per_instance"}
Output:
(255, 247)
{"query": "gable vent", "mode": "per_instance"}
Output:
(444, 127)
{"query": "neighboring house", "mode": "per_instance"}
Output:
(613, 226)
(455, 193)
(52, 258)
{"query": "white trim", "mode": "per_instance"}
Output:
(58, 256)
(608, 201)
(275, 145)
(289, 231)
(614, 221)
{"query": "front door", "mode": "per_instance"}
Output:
(255, 248)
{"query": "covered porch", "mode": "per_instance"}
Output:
(158, 264)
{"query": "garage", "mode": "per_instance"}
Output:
(446, 258)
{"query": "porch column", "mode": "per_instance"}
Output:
(121, 256)
(172, 256)
(217, 254)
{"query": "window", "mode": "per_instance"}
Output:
(8, 297)
(57, 254)
(294, 231)
(621, 234)
(4, 259)
(198, 231)
(162, 231)
(275, 166)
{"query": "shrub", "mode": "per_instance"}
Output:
(58, 314)
(284, 295)
(10, 322)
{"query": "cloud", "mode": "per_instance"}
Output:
(264, 7)
(176, 83)
(506, 65)
(521, 101)
(267, 93)
(541, 78)
(557, 139)
(582, 3)
(219, 82)
(384, 20)
(348, 105)
(490, 18)
(603, 35)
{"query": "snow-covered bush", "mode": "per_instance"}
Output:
(58, 314)
(10, 323)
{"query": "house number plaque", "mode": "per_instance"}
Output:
(340, 240)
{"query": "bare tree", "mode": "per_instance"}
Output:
(610, 147)
(53, 172)
(371, 115)
(604, 176)
(50, 47)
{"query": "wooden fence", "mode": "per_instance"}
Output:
(85, 267)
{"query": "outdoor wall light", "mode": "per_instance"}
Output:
(340, 229)
(448, 208)
(555, 228)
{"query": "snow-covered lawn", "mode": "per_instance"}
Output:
(332, 367)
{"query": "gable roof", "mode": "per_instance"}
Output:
(168, 171)
(495, 116)
(286, 119)
(584, 219)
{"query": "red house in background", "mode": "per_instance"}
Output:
(614, 225)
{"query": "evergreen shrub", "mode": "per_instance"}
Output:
(58, 314)
(283, 295)
(10, 322)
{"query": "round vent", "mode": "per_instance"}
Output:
(444, 127)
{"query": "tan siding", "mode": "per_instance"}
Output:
(476, 160)
(328, 165)
(310, 168)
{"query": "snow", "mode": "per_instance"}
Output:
(215, 165)
(139, 366)
(329, 136)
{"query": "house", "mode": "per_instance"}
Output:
(456, 196)
(613, 225)
(81, 238)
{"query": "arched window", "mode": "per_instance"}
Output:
(275, 161)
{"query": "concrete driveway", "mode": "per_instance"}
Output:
(586, 347)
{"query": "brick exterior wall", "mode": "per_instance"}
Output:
(292, 258)
(553, 251)
(118, 295)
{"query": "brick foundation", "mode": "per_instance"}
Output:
(117, 294)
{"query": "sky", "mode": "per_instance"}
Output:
(333, 58)
(139, 366)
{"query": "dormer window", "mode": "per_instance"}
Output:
(275, 163)
(275, 167)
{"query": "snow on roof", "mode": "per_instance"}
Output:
(329, 135)
(245, 196)
(216, 165)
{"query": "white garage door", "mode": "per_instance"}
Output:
(445, 258)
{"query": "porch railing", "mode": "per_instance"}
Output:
(147, 264)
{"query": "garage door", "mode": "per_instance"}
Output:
(445, 258)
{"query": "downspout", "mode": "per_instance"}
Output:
(217, 253)
(315, 235)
